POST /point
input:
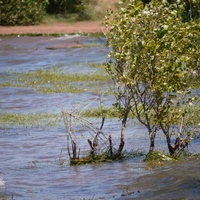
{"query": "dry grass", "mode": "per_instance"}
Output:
(98, 8)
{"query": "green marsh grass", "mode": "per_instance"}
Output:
(97, 65)
(101, 112)
(48, 119)
(52, 80)
(52, 119)
(30, 120)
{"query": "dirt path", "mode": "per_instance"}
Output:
(78, 27)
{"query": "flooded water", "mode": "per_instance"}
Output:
(31, 159)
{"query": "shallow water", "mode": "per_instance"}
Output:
(31, 159)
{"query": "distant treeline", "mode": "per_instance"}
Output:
(29, 12)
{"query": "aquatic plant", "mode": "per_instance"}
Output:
(29, 120)
(52, 80)
(101, 111)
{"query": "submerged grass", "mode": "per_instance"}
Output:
(54, 81)
(92, 158)
(49, 119)
(30, 120)
(97, 65)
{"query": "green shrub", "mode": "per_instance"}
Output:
(64, 7)
(83, 12)
(21, 12)
(61, 6)
(191, 11)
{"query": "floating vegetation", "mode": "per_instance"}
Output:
(30, 120)
(48, 119)
(54, 81)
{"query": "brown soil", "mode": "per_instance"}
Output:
(78, 27)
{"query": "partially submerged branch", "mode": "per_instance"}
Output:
(101, 144)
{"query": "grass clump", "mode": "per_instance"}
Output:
(90, 159)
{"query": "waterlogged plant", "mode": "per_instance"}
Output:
(154, 54)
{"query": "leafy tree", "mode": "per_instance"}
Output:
(153, 55)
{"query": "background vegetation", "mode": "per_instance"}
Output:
(30, 12)
(19, 12)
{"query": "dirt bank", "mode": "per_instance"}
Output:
(78, 27)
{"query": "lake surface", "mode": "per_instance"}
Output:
(34, 162)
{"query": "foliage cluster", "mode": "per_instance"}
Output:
(21, 12)
(65, 7)
(191, 8)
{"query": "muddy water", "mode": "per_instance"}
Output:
(31, 159)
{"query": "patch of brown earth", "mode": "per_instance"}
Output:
(78, 27)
